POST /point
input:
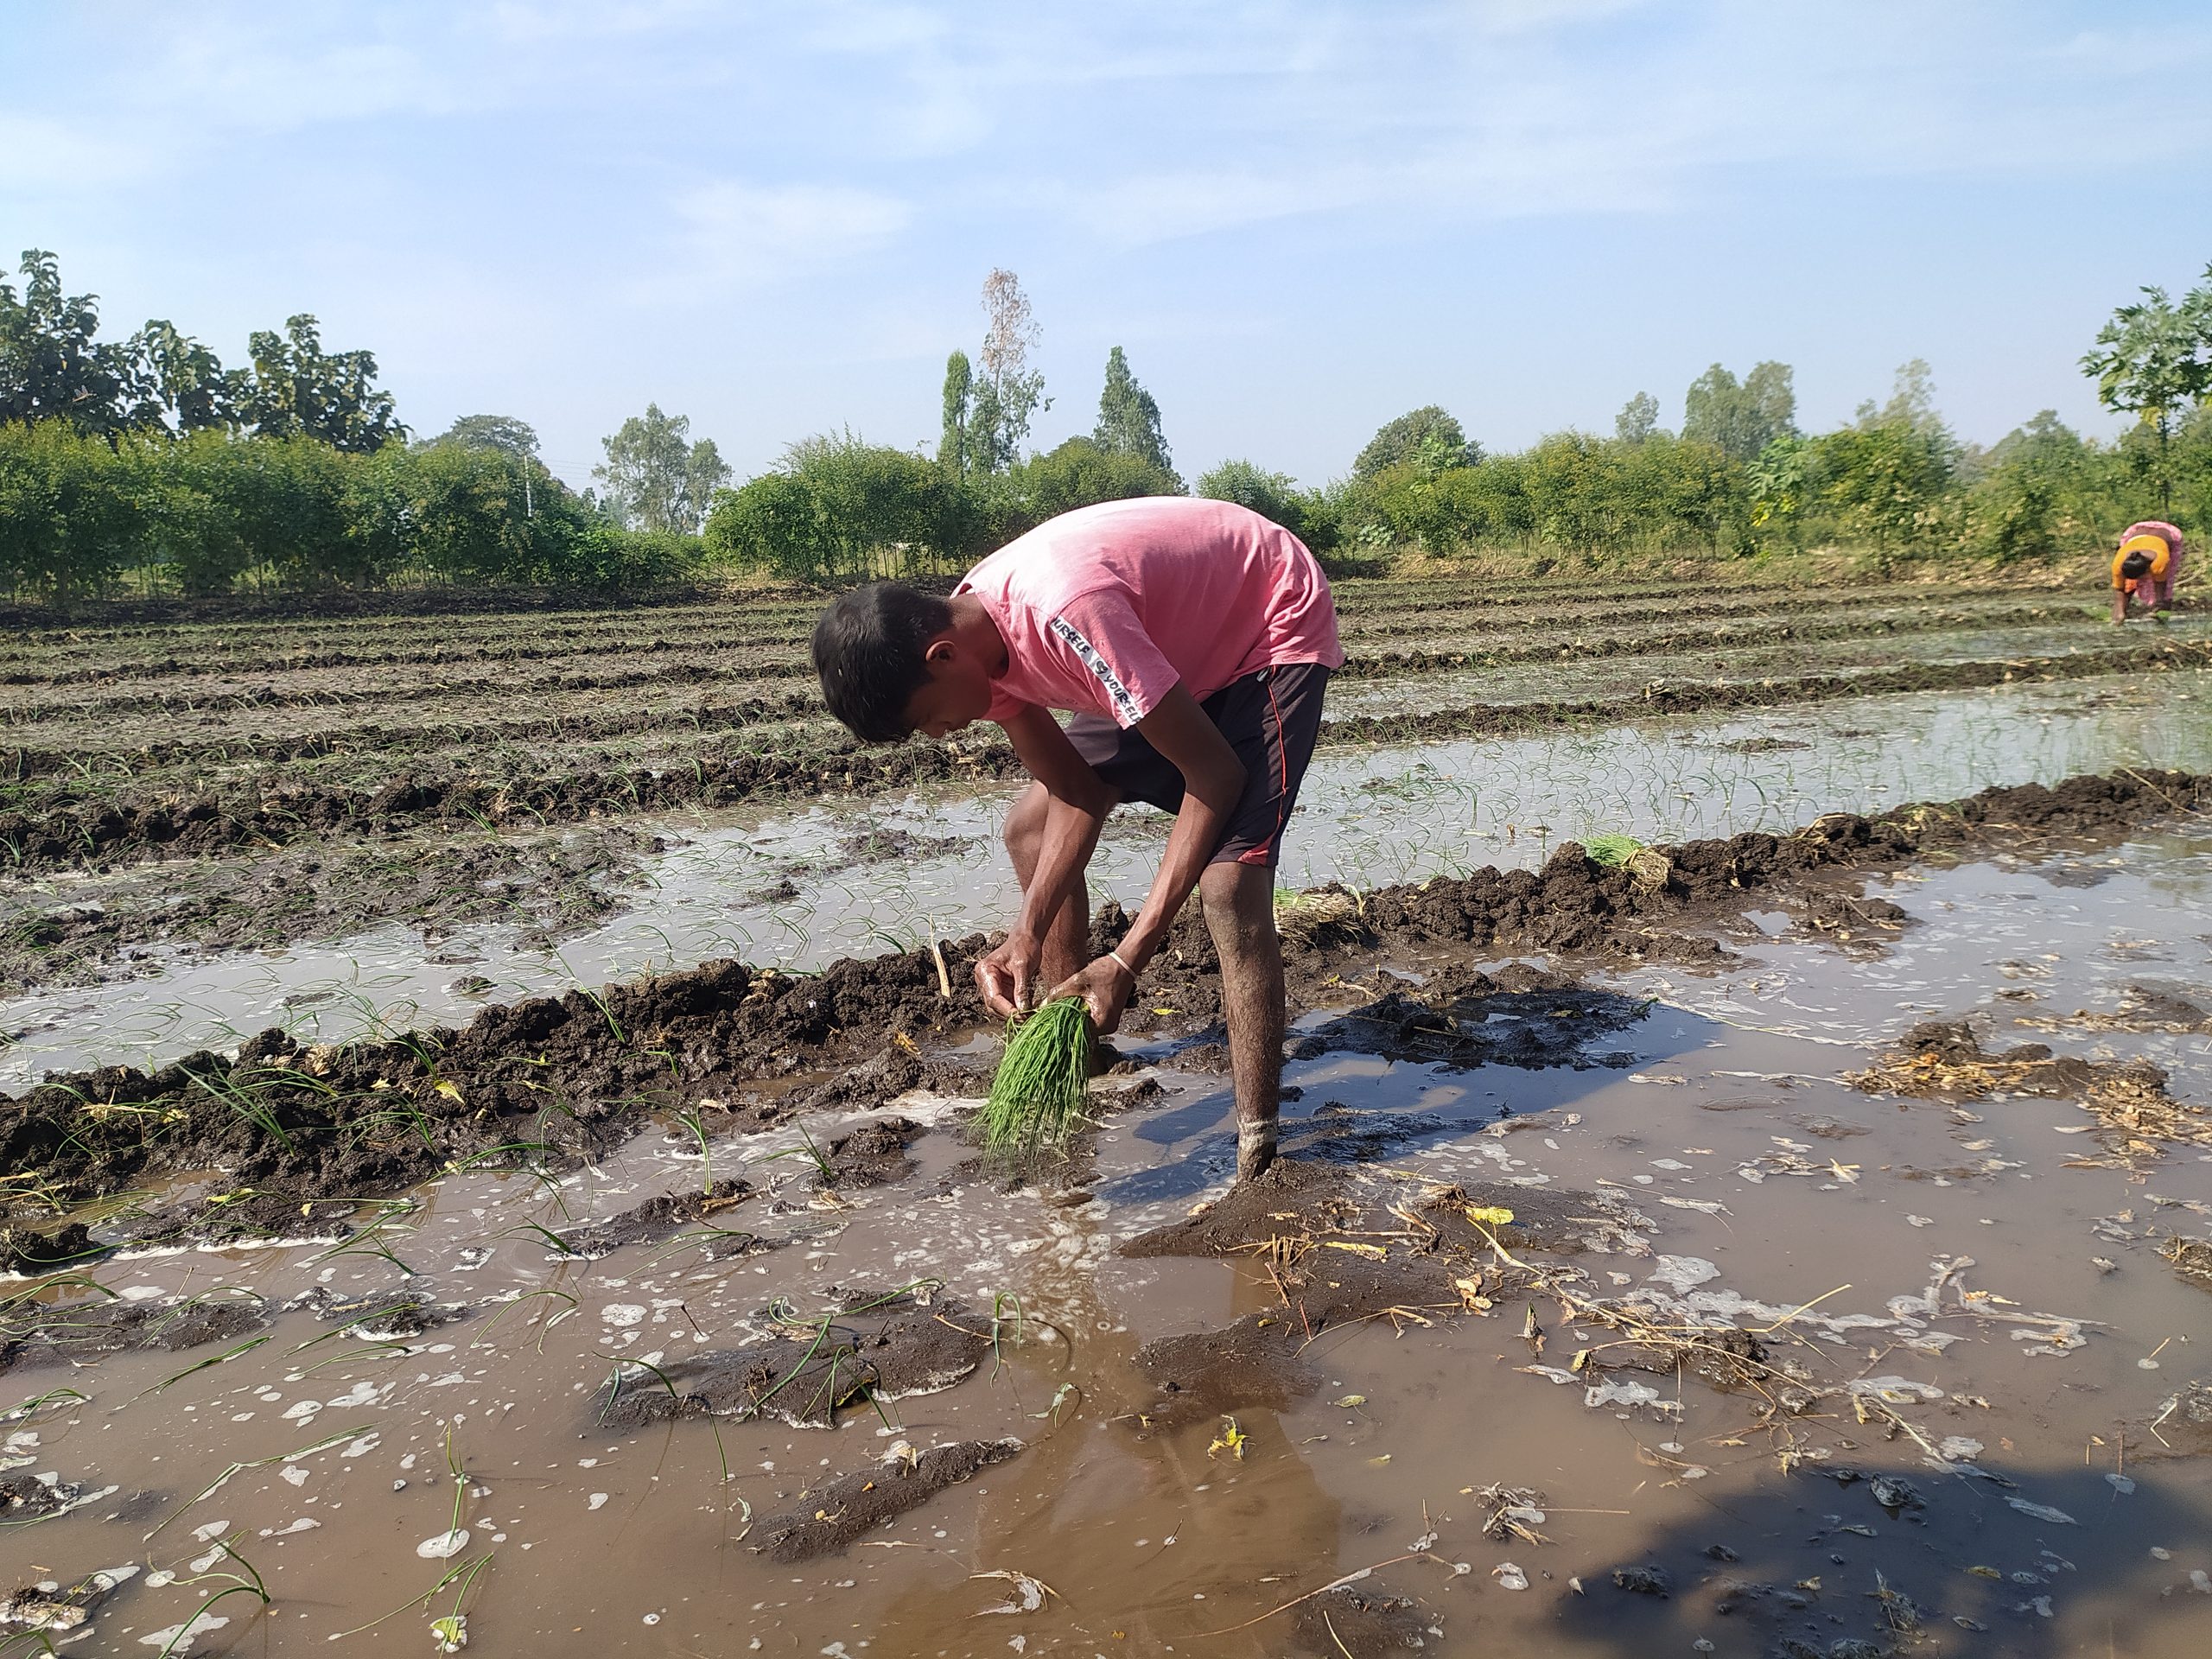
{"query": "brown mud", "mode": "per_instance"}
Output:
(550, 1080)
(878, 1349)
(1340, 1252)
(66, 827)
(846, 1509)
(532, 723)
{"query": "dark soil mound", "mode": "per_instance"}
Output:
(833, 1517)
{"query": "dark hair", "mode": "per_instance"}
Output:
(2135, 566)
(868, 650)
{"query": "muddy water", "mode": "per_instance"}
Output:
(803, 889)
(1770, 1188)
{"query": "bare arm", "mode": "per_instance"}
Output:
(1213, 778)
(1079, 803)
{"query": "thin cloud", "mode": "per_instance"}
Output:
(741, 234)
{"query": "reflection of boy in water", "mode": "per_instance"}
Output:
(1191, 640)
(2146, 567)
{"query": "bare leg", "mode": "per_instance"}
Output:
(1067, 940)
(1240, 906)
(2119, 606)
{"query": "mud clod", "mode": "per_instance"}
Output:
(1645, 1581)
(882, 1351)
(872, 1155)
(1360, 1620)
(840, 1512)
(36, 1334)
(656, 1218)
(2191, 1259)
(30, 1253)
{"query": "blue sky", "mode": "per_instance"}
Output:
(1299, 219)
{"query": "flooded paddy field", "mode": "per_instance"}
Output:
(1802, 1248)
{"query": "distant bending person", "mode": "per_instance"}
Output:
(2146, 567)
(1191, 640)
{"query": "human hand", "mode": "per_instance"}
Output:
(1105, 987)
(1008, 976)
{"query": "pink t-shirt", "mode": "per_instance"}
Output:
(1107, 608)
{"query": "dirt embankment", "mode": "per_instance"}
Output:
(555, 1078)
(70, 826)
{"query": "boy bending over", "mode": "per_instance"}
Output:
(1191, 640)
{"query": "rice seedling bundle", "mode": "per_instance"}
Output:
(1627, 853)
(1036, 1099)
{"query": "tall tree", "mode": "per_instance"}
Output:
(51, 366)
(1740, 418)
(181, 385)
(299, 389)
(2153, 360)
(656, 476)
(1008, 392)
(504, 433)
(1426, 435)
(1128, 417)
(1638, 419)
(959, 387)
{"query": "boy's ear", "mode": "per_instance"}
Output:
(940, 650)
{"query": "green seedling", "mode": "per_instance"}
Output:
(1036, 1099)
(544, 1325)
(250, 1585)
(824, 1168)
(223, 1479)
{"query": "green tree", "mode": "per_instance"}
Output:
(179, 386)
(1272, 495)
(1638, 419)
(1128, 417)
(1008, 392)
(51, 365)
(2153, 360)
(501, 432)
(1741, 418)
(840, 509)
(952, 445)
(656, 478)
(71, 509)
(1078, 473)
(298, 390)
(1427, 437)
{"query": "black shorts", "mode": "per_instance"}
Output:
(1270, 719)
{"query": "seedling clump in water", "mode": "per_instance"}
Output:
(1036, 1100)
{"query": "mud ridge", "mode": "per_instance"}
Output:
(555, 1079)
(64, 830)
(840, 1512)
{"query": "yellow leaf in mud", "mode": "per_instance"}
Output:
(1985, 1573)
(1581, 1358)
(1488, 1215)
(1167, 1010)
(1231, 1440)
(450, 1090)
(1470, 1293)
(1377, 1463)
(1351, 1399)
(1373, 1252)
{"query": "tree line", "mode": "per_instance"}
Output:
(146, 456)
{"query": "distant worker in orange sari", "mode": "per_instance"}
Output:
(2146, 567)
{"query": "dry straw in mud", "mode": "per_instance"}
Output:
(1036, 1100)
